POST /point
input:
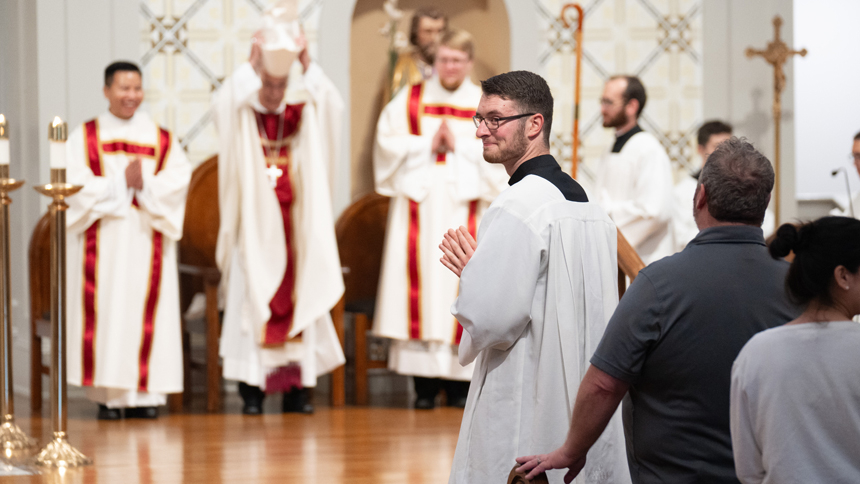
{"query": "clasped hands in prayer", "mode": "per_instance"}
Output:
(443, 140)
(134, 175)
(457, 248)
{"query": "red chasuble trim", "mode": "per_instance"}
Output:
(441, 158)
(448, 111)
(154, 290)
(91, 263)
(414, 109)
(413, 272)
(122, 146)
(472, 226)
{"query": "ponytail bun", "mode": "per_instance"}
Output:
(786, 240)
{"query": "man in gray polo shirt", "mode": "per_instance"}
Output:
(676, 332)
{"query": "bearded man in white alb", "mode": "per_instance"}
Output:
(276, 244)
(124, 336)
(634, 179)
(429, 161)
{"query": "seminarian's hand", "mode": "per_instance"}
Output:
(557, 459)
(443, 140)
(457, 247)
(134, 175)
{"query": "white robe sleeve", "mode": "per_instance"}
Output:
(329, 108)
(163, 195)
(747, 452)
(495, 301)
(234, 93)
(101, 196)
(648, 209)
(396, 152)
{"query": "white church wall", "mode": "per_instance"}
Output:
(827, 99)
(740, 90)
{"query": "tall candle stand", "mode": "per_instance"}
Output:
(11, 436)
(58, 452)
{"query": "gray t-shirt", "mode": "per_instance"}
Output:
(674, 337)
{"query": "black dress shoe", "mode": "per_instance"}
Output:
(106, 413)
(425, 403)
(141, 412)
(252, 397)
(297, 401)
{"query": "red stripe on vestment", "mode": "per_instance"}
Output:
(413, 109)
(151, 305)
(441, 158)
(449, 111)
(472, 227)
(129, 148)
(91, 266)
(413, 271)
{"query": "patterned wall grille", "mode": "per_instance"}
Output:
(188, 47)
(657, 40)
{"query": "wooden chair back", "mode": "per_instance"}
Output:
(40, 304)
(360, 233)
(629, 263)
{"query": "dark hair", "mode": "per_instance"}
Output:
(819, 248)
(119, 66)
(528, 90)
(634, 90)
(422, 12)
(711, 128)
(857, 136)
(738, 180)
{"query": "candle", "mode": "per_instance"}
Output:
(57, 134)
(4, 141)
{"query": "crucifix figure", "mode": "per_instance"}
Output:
(776, 54)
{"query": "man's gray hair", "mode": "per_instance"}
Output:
(738, 181)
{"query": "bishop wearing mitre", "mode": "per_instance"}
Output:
(124, 338)
(276, 245)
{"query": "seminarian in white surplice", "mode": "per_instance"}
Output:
(124, 339)
(429, 161)
(276, 244)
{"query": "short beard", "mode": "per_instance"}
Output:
(616, 121)
(427, 52)
(515, 151)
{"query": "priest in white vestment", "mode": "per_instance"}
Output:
(276, 244)
(536, 293)
(429, 161)
(124, 334)
(634, 179)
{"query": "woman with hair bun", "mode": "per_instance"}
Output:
(795, 397)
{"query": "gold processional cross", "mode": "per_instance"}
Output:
(776, 54)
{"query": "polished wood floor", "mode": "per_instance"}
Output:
(360, 445)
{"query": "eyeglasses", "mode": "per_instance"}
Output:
(494, 122)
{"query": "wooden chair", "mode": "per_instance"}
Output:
(40, 305)
(629, 263)
(360, 234)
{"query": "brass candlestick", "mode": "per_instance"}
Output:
(11, 436)
(58, 452)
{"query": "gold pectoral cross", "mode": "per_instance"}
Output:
(776, 54)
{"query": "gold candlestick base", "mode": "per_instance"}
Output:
(12, 437)
(60, 454)
(58, 191)
(8, 185)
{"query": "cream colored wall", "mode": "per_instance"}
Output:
(487, 20)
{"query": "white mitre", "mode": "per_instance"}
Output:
(282, 37)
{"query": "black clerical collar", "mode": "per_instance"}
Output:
(624, 138)
(547, 168)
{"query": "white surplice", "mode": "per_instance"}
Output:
(124, 338)
(429, 196)
(635, 187)
(534, 301)
(251, 251)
